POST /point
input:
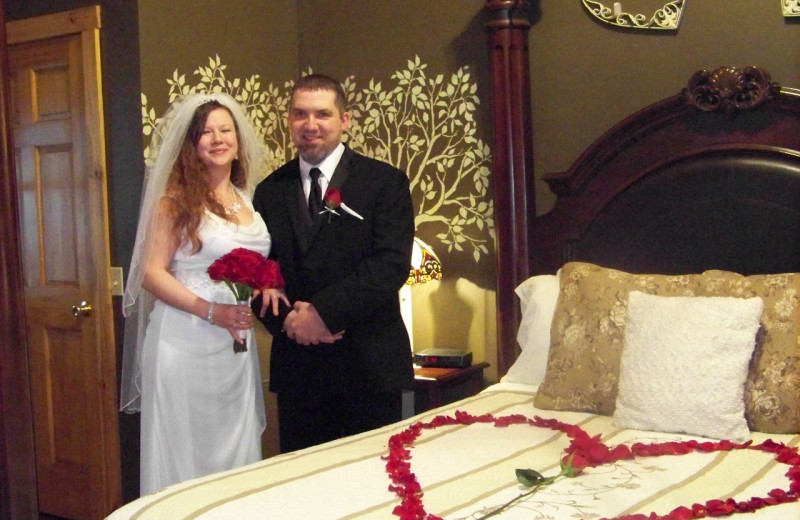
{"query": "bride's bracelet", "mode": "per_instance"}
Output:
(210, 316)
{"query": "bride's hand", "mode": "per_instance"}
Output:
(271, 297)
(233, 318)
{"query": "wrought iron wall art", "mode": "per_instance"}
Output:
(665, 18)
(790, 7)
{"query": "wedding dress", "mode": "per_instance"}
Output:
(202, 404)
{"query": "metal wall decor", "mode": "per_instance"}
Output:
(790, 7)
(666, 18)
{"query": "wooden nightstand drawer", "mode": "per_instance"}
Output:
(434, 387)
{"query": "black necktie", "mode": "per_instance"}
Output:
(315, 195)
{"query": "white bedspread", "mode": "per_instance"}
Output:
(466, 471)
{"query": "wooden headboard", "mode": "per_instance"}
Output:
(707, 178)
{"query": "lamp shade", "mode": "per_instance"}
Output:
(425, 265)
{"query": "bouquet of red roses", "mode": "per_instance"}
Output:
(244, 271)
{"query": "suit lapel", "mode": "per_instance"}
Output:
(342, 169)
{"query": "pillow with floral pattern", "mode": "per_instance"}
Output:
(587, 333)
(772, 389)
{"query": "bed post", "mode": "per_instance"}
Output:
(512, 161)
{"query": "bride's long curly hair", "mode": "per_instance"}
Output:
(188, 190)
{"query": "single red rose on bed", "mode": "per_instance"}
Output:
(573, 465)
(591, 449)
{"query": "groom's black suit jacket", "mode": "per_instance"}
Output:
(349, 269)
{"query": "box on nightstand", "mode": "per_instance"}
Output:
(443, 357)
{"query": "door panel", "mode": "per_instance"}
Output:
(64, 244)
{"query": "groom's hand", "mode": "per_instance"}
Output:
(305, 326)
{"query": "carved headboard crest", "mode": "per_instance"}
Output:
(728, 89)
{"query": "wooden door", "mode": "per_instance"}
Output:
(58, 142)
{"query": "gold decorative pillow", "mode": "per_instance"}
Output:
(588, 330)
(772, 390)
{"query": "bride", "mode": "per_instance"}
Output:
(202, 404)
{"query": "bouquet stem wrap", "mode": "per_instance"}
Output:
(241, 347)
(244, 271)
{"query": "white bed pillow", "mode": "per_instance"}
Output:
(537, 297)
(684, 364)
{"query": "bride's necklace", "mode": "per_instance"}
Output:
(234, 208)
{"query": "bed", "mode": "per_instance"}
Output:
(688, 208)
(348, 478)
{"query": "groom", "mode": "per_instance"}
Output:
(341, 355)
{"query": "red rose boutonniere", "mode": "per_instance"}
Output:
(333, 201)
(244, 271)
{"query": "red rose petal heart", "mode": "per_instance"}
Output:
(585, 451)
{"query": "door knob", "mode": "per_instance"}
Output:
(83, 309)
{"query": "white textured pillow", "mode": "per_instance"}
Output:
(684, 364)
(537, 298)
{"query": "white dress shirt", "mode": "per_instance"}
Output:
(327, 167)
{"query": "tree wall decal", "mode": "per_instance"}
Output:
(422, 124)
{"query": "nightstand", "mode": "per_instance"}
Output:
(434, 387)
